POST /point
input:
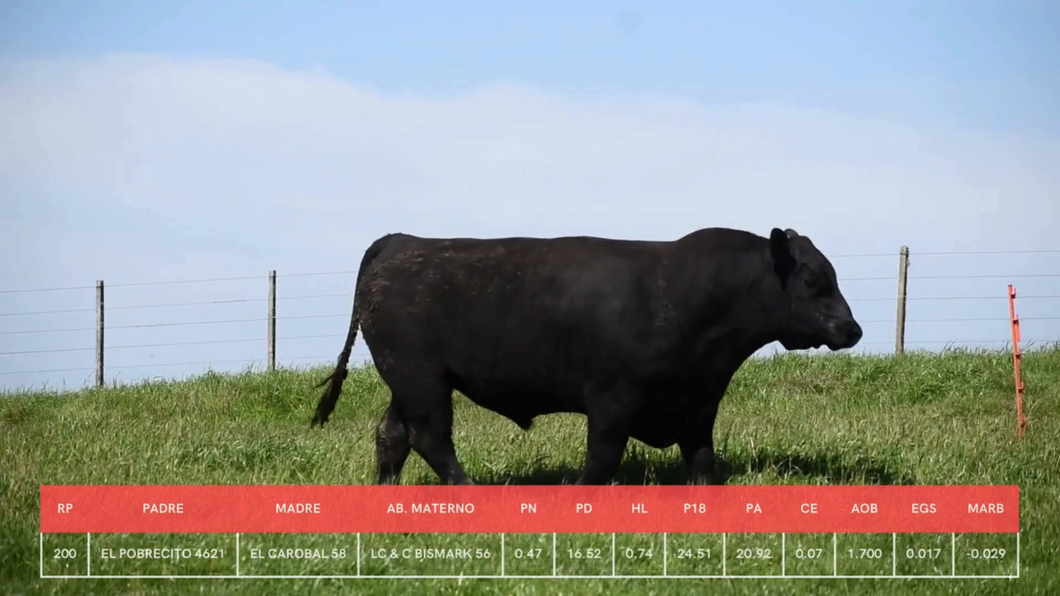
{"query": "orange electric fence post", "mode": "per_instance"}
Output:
(1021, 422)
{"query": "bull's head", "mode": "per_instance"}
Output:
(817, 312)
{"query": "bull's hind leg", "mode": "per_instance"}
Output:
(432, 437)
(426, 406)
(391, 446)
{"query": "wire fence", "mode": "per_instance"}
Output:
(51, 337)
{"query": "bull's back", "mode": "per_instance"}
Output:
(520, 315)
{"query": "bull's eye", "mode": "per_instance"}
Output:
(817, 287)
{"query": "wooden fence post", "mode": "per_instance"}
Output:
(272, 320)
(99, 333)
(903, 270)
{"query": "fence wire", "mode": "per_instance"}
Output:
(139, 326)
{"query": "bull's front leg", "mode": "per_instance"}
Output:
(697, 447)
(609, 416)
(605, 446)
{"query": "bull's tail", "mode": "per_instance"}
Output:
(334, 381)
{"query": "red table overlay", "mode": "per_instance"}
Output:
(529, 509)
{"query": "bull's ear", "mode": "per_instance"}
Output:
(780, 250)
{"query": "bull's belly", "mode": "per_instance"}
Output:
(519, 404)
(660, 428)
(661, 423)
(657, 433)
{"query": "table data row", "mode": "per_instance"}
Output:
(529, 555)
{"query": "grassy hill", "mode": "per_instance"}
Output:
(913, 419)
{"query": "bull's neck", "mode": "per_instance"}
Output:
(736, 303)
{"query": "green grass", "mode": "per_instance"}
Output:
(915, 419)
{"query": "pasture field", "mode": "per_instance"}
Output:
(918, 418)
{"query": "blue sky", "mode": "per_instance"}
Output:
(147, 142)
(990, 65)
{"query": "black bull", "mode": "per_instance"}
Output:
(641, 337)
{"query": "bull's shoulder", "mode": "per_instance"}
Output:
(722, 237)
